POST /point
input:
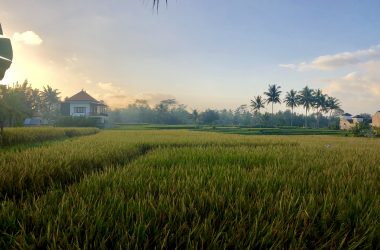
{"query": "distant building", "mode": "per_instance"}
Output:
(82, 104)
(346, 121)
(376, 119)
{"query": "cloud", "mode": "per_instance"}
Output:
(359, 91)
(339, 60)
(117, 97)
(153, 98)
(27, 37)
(112, 94)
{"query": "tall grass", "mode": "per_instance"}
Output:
(206, 190)
(14, 136)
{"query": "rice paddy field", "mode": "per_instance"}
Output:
(191, 189)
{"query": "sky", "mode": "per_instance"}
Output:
(205, 53)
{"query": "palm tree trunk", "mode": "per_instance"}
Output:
(291, 119)
(272, 108)
(330, 118)
(306, 119)
(317, 118)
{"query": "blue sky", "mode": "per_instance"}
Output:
(213, 53)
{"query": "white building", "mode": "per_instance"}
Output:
(82, 104)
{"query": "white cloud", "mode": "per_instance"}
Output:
(359, 91)
(27, 37)
(117, 97)
(339, 60)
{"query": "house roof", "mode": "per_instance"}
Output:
(82, 96)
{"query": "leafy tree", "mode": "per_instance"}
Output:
(273, 94)
(195, 116)
(292, 101)
(257, 103)
(306, 100)
(50, 102)
(210, 116)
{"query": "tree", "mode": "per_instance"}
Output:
(292, 101)
(195, 116)
(306, 100)
(257, 103)
(332, 104)
(156, 3)
(210, 116)
(319, 102)
(273, 94)
(50, 101)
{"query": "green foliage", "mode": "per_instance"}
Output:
(15, 136)
(209, 116)
(257, 103)
(80, 121)
(362, 130)
(166, 189)
(377, 131)
(273, 94)
(21, 101)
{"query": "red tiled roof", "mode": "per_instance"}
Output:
(82, 96)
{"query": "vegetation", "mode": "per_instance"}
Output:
(20, 101)
(170, 112)
(146, 189)
(257, 103)
(273, 95)
(292, 101)
(363, 129)
(15, 136)
(78, 121)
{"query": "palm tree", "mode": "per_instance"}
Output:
(257, 103)
(319, 103)
(273, 94)
(292, 101)
(50, 98)
(332, 104)
(306, 100)
(156, 3)
(195, 116)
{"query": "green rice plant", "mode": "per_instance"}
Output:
(205, 190)
(14, 136)
(35, 170)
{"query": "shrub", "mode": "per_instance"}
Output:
(363, 130)
(376, 131)
(77, 122)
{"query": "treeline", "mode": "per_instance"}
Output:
(321, 110)
(21, 101)
(306, 97)
(170, 112)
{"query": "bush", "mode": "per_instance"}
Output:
(377, 131)
(363, 130)
(71, 132)
(77, 122)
